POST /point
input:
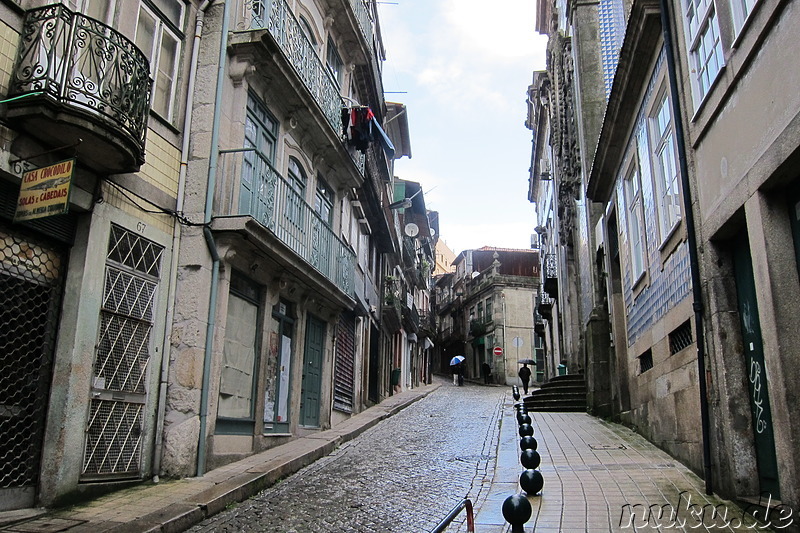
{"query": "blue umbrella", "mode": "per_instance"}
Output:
(456, 360)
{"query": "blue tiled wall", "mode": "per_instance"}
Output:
(612, 32)
(669, 283)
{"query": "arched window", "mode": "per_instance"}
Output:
(305, 27)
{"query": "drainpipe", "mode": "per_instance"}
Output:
(694, 261)
(212, 248)
(176, 241)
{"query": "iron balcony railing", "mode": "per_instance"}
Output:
(550, 266)
(272, 200)
(75, 60)
(293, 42)
(550, 271)
(364, 18)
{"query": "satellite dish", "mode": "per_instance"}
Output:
(433, 232)
(475, 274)
(412, 229)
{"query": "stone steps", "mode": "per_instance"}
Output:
(561, 394)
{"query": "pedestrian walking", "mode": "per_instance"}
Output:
(525, 376)
(487, 373)
(456, 364)
(461, 374)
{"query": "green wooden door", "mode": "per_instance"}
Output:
(312, 372)
(756, 371)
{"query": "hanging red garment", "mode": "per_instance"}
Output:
(357, 126)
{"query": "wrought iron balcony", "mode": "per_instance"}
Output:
(544, 305)
(411, 318)
(272, 201)
(364, 19)
(284, 27)
(76, 78)
(391, 313)
(550, 271)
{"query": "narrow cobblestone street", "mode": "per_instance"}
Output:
(403, 475)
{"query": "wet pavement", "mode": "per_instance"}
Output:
(403, 475)
(403, 465)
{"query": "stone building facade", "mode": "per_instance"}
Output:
(692, 226)
(217, 285)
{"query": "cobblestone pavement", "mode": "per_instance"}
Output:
(403, 475)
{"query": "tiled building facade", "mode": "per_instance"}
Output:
(691, 188)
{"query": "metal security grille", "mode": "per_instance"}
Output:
(114, 430)
(30, 290)
(680, 338)
(344, 369)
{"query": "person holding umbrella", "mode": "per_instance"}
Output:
(525, 374)
(457, 369)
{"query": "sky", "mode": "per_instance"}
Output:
(463, 68)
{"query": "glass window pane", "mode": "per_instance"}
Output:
(172, 10)
(146, 34)
(97, 9)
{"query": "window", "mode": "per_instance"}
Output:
(305, 27)
(363, 250)
(323, 202)
(705, 47)
(645, 361)
(97, 9)
(633, 203)
(157, 36)
(278, 368)
(480, 312)
(664, 167)
(741, 10)
(237, 382)
(680, 338)
(335, 63)
(296, 193)
(488, 309)
(260, 129)
(261, 133)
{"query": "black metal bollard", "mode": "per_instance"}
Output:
(530, 458)
(531, 481)
(517, 510)
(525, 430)
(528, 443)
(524, 418)
(515, 392)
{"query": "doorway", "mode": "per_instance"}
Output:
(30, 294)
(312, 372)
(755, 371)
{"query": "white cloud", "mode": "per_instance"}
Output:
(465, 66)
(502, 31)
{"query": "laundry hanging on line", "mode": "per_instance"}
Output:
(360, 127)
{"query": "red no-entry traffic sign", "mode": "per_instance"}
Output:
(498, 351)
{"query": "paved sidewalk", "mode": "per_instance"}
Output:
(602, 477)
(173, 506)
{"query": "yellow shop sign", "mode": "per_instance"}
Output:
(45, 191)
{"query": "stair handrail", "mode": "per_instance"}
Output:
(463, 504)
